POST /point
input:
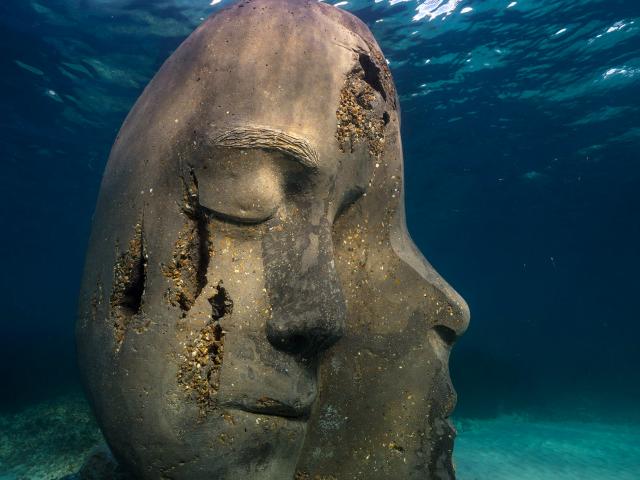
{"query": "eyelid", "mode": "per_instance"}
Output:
(241, 194)
(238, 220)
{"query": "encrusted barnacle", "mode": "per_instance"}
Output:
(200, 363)
(183, 269)
(305, 476)
(361, 116)
(191, 251)
(129, 279)
(385, 77)
(94, 305)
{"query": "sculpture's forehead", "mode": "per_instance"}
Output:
(279, 65)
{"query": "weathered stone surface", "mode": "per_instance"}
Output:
(249, 233)
(100, 465)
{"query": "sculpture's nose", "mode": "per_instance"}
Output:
(450, 311)
(306, 333)
(452, 315)
(308, 309)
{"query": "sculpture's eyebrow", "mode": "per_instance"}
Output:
(268, 138)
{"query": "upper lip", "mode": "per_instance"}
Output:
(270, 406)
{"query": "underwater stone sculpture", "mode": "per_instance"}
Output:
(249, 232)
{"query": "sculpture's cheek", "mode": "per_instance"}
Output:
(197, 389)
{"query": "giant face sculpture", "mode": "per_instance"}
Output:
(250, 232)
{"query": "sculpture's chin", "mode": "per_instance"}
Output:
(226, 444)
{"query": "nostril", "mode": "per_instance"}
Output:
(308, 332)
(297, 343)
(446, 334)
(288, 340)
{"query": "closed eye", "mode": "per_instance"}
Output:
(243, 218)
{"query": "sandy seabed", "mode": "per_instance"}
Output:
(50, 440)
(515, 447)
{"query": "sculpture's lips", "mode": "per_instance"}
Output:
(452, 401)
(273, 407)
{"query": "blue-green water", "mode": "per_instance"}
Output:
(521, 129)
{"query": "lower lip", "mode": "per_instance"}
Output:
(454, 432)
